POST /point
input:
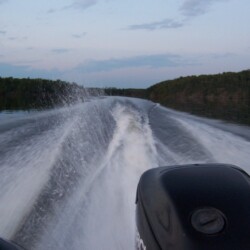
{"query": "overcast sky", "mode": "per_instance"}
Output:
(123, 43)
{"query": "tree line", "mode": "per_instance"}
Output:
(29, 93)
(222, 96)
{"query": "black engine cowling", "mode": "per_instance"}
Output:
(194, 207)
(7, 245)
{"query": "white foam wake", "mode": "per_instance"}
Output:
(130, 153)
(24, 175)
(101, 214)
(224, 147)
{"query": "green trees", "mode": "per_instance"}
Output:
(139, 93)
(223, 96)
(37, 93)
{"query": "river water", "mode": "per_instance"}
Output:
(69, 176)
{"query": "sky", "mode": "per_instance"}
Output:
(123, 43)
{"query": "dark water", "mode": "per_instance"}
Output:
(69, 176)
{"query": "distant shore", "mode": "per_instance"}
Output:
(26, 93)
(223, 96)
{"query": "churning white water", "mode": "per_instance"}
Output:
(69, 176)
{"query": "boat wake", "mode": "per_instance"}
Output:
(69, 176)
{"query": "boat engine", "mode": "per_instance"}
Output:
(193, 207)
(7, 245)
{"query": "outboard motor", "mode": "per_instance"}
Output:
(7, 245)
(194, 207)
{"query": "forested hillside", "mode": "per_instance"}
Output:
(223, 96)
(139, 93)
(37, 93)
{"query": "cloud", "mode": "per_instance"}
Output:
(15, 38)
(75, 4)
(78, 36)
(151, 61)
(220, 55)
(193, 8)
(164, 24)
(50, 11)
(60, 51)
(189, 8)
(82, 4)
(3, 1)
(8, 70)
(2, 32)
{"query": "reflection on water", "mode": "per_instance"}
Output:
(12, 114)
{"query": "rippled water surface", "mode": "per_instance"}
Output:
(68, 176)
